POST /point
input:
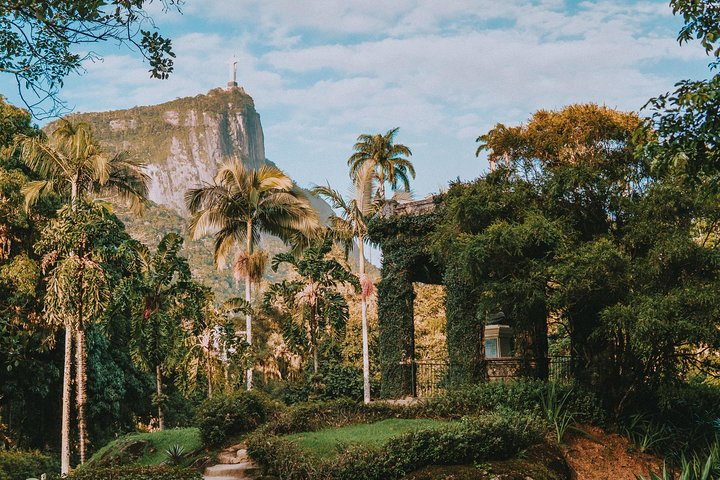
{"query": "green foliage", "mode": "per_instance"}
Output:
(385, 159)
(40, 42)
(147, 449)
(313, 416)
(134, 472)
(406, 259)
(20, 465)
(555, 410)
(175, 454)
(696, 467)
(311, 309)
(520, 395)
(645, 433)
(327, 442)
(467, 441)
(223, 416)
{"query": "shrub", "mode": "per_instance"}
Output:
(135, 472)
(521, 395)
(225, 415)
(335, 381)
(19, 465)
(310, 416)
(341, 381)
(471, 440)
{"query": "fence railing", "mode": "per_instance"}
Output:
(432, 376)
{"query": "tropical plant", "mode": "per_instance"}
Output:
(554, 406)
(76, 250)
(155, 297)
(71, 163)
(695, 467)
(175, 455)
(645, 433)
(240, 205)
(211, 345)
(352, 224)
(385, 159)
(313, 302)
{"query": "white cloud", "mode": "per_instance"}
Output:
(321, 72)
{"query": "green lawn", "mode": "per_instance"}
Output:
(189, 438)
(324, 443)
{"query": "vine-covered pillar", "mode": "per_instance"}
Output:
(396, 341)
(465, 328)
(404, 240)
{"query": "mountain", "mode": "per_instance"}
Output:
(183, 142)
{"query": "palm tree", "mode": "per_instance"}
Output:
(351, 224)
(386, 159)
(156, 292)
(71, 163)
(240, 205)
(314, 299)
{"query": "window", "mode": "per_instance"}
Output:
(491, 348)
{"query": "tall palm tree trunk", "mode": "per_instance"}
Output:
(65, 422)
(363, 306)
(248, 292)
(158, 389)
(80, 381)
(314, 340)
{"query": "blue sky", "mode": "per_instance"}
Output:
(322, 72)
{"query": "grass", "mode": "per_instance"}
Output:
(160, 442)
(325, 443)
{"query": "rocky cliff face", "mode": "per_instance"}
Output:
(184, 141)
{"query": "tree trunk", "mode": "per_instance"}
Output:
(80, 381)
(158, 385)
(65, 423)
(208, 369)
(363, 304)
(314, 343)
(248, 291)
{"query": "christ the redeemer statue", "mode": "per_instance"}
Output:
(233, 72)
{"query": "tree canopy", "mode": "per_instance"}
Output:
(41, 43)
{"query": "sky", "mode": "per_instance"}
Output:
(322, 72)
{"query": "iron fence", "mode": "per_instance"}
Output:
(432, 376)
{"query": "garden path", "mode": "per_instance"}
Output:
(234, 464)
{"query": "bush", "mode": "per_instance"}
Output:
(335, 381)
(134, 472)
(521, 395)
(679, 420)
(471, 440)
(310, 416)
(222, 416)
(19, 465)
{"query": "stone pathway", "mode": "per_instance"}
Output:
(235, 464)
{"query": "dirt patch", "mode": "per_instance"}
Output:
(606, 456)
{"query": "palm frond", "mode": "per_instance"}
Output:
(33, 190)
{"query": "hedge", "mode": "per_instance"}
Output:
(135, 472)
(222, 416)
(19, 465)
(470, 440)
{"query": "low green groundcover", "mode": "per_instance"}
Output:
(468, 441)
(146, 448)
(327, 442)
(136, 472)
